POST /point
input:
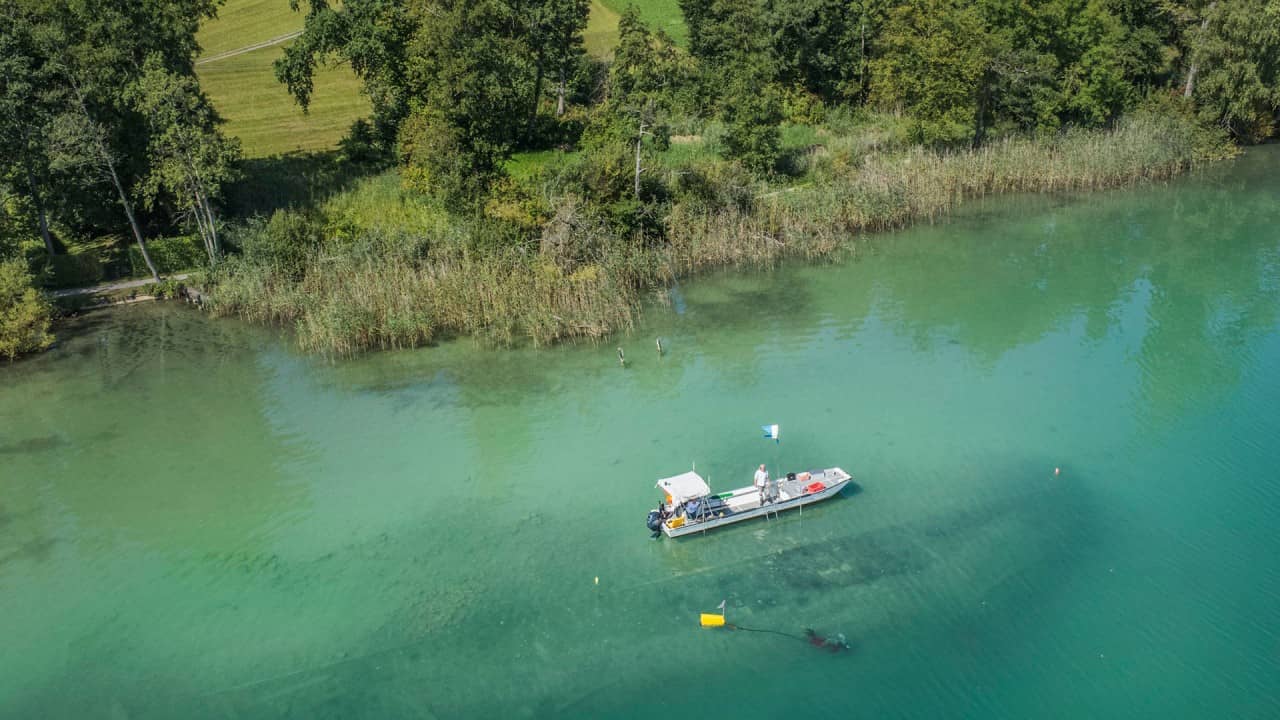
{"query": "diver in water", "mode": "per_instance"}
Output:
(835, 644)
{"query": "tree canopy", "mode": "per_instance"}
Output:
(104, 128)
(99, 102)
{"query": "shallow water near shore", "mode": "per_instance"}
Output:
(197, 521)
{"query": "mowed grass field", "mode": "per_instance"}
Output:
(601, 35)
(243, 86)
(245, 22)
(657, 14)
(265, 117)
(262, 114)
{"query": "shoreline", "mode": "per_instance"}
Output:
(388, 285)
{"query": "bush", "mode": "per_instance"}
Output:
(751, 125)
(801, 107)
(25, 316)
(712, 185)
(440, 159)
(362, 146)
(170, 254)
(281, 243)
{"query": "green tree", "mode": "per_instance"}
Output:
(456, 83)
(373, 37)
(190, 159)
(647, 70)
(731, 40)
(89, 53)
(23, 112)
(470, 65)
(554, 30)
(12, 225)
(820, 45)
(933, 57)
(1236, 55)
(25, 316)
(751, 115)
(725, 34)
(1097, 87)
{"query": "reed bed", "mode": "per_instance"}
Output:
(427, 282)
(361, 304)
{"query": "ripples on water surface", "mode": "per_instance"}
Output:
(198, 522)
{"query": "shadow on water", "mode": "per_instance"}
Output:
(780, 299)
(34, 445)
(1048, 510)
(34, 550)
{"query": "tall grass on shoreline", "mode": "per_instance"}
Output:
(884, 191)
(438, 285)
(350, 305)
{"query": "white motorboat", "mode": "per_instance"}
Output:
(689, 506)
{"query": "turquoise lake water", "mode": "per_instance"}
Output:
(197, 521)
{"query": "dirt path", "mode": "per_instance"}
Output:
(250, 48)
(111, 287)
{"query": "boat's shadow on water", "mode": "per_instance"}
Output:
(806, 554)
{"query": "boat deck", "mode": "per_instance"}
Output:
(744, 503)
(748, 498)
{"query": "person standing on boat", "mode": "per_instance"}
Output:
(762, 483)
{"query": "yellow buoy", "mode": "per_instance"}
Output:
(712, 620)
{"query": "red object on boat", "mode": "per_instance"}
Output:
(815, 487)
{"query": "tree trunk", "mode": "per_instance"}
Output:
(204, 218)
(1195, 66)
(537, 95)
(980, 116)
(203, 210)
(44, 220)
(213, 226)
(133, 222)
(639, 140)
(863, 57)
(1191, 80)
(115, 179)
(35, 191)
(197, 213)
(560, 94)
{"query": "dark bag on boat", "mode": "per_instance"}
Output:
(705, 508)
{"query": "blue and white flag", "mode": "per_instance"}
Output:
(771, 432)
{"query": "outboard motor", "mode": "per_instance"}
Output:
(654, 522)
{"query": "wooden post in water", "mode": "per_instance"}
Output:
(659, 342)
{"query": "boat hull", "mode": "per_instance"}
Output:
(769, 509)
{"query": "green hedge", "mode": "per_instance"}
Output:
(170, 254)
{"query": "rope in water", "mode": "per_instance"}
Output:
(793, 636)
